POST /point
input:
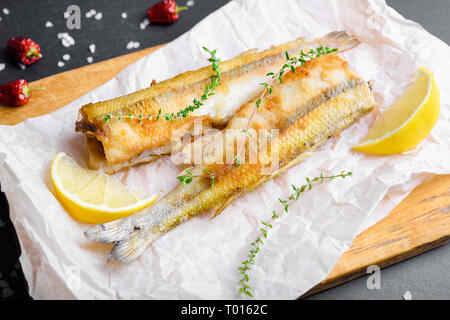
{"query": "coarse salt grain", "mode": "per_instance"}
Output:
(190, 3)
(6, 11)
(67, 43)
(2, 66)
(407, 295)
(90, 13)
(66, 15)
(124, 15)
(130, 45)
(144, 23)
(21, 65)
(66, 57)
(48, 24)
(60, 64)
(98, 16)
(89, 59)
(92, 48)
(133, 45)
(66, 39)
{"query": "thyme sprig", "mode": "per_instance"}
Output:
(291, 64)
(244, 287)
(185, 179)
(210, 90)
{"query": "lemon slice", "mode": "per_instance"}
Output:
(90, 196)
(408, 121)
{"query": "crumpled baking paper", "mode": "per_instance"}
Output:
(199, 259)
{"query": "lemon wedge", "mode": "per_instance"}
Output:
(408, 121)
(90, 196)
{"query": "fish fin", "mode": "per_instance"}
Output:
(301, 157)
(339, 39)
(129, 242)
(129, 249)
(108, 232)
(221, 205)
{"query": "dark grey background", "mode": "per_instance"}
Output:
(425, 276)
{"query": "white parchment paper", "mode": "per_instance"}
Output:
(199, 259)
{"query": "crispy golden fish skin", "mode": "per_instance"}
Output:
(319, 100)
(126, 142)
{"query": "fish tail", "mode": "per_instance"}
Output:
(129, 240)
(107, 232)
(339, 39)
(129, 249)
(133, 234)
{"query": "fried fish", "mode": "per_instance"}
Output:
(122, 142)
(320, 99)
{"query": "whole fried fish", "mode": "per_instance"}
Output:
(121, 143)
(317, 101)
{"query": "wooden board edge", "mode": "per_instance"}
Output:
(417, 224)
(388, 261)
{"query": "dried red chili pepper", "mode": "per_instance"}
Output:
(16, 93)
(164, 12)
(24, 50)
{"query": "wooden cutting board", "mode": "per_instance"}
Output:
(419, 223)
